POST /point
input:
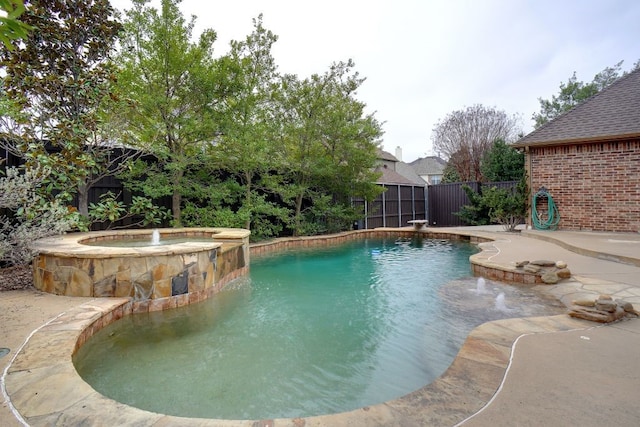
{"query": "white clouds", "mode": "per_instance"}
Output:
(423, 59)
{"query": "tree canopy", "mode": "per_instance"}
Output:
(229, 140)
(464, 136)
(502, 162)
(572, 92)
(171, 82)
(11, 27)
(328, 145)
(57, 82)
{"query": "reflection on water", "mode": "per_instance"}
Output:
(309, 332)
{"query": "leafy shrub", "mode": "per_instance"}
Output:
(110, 210)
(26, 216)
(505, 206)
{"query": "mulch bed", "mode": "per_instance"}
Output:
(16, 278)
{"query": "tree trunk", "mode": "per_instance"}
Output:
(176, 199)
(296, 230)
(247, 198)
(83, 199)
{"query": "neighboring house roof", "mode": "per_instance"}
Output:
(611, 114)
(408, 172)
(431, 165)
(385, 155)
(396, 172)
(389, 176)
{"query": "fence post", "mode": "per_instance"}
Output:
(366, 214)
(399, 207)
(384, 207)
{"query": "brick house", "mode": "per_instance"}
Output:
(589, 160)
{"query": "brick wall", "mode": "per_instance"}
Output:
(595, 186)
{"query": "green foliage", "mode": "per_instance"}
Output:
(507, 207)
(326, 215)
(11, 27)
(450, 174)
(175, 86)
(327, 142)
(477, 212)
(25, 216)
(245, 147)
(59, 78)
(574, 92)
(502, 163)
(231, 141)
(111, 210)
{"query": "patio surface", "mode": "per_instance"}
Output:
(526, 372)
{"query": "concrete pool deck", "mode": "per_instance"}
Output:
(587, 374)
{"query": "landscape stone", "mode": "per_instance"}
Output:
(561, 264)
(606, 305)
(564, 273)
(627, 306)
(602, 310)
(543, 263)
(584, 303)
(550, 277)
(530, 268)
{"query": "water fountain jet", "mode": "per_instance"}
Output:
(500, 304)
(155, 237)
(481, 287)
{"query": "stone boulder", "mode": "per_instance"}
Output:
(550, 277)
(549, 272)
(602, 310)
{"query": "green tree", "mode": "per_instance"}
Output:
(328, 144)
(245, 148)
(450, 174)
(572, 92)
(11, 27)
(58, 79)
(502, 162)
(464, 136)
(175, 88)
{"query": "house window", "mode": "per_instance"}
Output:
(435, 179)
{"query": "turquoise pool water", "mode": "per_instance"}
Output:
(308, 332)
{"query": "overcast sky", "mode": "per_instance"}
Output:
(423, 59)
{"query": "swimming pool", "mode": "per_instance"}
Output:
(308, 332)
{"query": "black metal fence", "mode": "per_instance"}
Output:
(394, 207)
(444, 200)
(107, 184)
(437, 203)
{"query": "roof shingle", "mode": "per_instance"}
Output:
(613, 113)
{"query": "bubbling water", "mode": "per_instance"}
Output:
(481, 286)
(500, 303)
